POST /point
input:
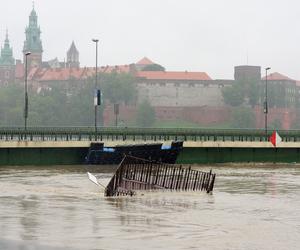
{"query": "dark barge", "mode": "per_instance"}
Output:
(156, 152)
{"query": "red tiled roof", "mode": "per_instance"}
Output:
(32, 72)
(298, 83)
(277, 77)
(145, 61)
(117, 69)
(64, 74)
(58, 74)
(173, 75)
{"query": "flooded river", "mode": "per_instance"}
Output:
(59, 208)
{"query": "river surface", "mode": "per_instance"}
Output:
(59, 208)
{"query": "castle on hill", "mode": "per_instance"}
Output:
(176, 95)
(12, 70)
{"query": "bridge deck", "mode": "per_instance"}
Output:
(60, 146)
(82, 136)
(186, 144)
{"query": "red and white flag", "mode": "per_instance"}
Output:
(275, 139)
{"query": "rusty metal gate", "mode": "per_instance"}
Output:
(135, 174)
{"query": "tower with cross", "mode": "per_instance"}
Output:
(33, 42)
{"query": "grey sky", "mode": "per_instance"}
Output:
(194, 35)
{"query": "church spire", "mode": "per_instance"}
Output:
(33, 41)
(73, 57)
(6, 36)
(6, 53)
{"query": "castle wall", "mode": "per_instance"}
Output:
(199, 115)
(182, 93)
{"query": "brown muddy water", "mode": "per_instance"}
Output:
(59, 208)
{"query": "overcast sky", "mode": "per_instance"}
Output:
(194, 35)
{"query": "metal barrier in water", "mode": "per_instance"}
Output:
(135, 174)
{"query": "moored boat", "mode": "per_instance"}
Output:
(157, 152)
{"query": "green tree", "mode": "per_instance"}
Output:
(82, 107)
(252, 92)
(296, 122)
(243, 118)
(276, 124)
(234, 95)
(241, 91)
(69, 104)
(145, 116)
(11, 105)
(118, 87)
(153, 67)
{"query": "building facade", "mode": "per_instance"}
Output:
(282, 91)
(173, 94)
(33, 42)
(180, 89)
(7, 64)
(73, 57)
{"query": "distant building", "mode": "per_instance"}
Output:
(141, 64)
(179, 89)
(73, 57)
(10, 71)
(282, 91)
(33, 43)
(247, 72)
(7, 64)
(193, 96)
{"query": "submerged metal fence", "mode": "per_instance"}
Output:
(138, 174)
(139, 134)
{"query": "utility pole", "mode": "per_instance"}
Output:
(266, 102)
(26, 92)
(96, 84)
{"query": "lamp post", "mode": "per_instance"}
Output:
(96, 82)
(116, 111)
(26, 91)
(266, 102)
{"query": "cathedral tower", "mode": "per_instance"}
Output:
(73, 57)
(6, 58)
(7, 64)
(33, 41)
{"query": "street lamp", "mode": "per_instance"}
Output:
(116, 111)
(96, 82)
(266, 102)
(26, 91)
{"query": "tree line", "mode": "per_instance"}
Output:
(244, 95)
(67, 104)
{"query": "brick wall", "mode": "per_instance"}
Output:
(200, 115)
(126, 114)
(284, 115)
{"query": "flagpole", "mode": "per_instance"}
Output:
(266, 102)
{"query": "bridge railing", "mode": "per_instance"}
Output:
(139, 134)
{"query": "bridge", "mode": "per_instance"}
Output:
(68, 145)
